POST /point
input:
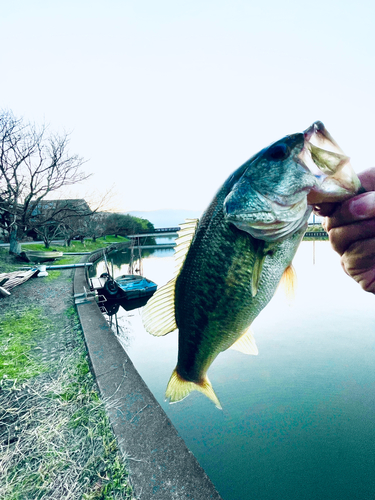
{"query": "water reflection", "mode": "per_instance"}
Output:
(112, 306)
(299, 419)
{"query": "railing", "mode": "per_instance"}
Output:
(316, 234)
(159, 230)
(156, 231)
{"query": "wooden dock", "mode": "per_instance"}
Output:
(10, 280)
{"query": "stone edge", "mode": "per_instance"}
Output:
(160, 465)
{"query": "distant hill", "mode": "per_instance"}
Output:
(167, 218)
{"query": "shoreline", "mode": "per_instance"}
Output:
(160, 464)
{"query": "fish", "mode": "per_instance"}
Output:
(231, 261)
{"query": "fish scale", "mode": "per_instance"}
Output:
(232, 261)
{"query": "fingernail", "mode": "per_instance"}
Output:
(363, 206)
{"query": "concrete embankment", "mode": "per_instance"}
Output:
(160, 464)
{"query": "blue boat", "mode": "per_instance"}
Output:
(128, 286)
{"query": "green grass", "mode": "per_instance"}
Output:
(55, 437)
(67, 442)
(18, 332)
(77, 246)
(52, 275)
(40, 247)
(112, 239)
(8, 262)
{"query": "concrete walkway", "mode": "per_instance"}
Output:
(161, 466)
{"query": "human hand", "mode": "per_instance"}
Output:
(351, 229)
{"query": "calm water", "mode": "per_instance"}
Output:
(298, 420)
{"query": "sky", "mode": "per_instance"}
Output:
(164, 99)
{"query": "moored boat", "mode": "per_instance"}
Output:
(134, 286)
(40, 256)
(127, 286)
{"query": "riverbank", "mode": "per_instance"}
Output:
(61, 437)
(55, 437)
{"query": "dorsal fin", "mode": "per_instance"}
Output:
(158, 316)
(289, 282)
(246, 343)
(183, 242)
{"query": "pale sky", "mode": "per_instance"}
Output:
(165, 98)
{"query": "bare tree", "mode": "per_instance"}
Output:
(33, 164)
(95, 225)
(56, 218)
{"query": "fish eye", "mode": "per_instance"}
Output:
(278, 152)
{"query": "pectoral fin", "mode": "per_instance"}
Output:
(289, 282)
(261, 252)
(257, 267)
(246, 344)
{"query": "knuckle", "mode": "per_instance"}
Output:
(337, 239)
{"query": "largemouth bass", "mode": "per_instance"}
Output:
(230, 263)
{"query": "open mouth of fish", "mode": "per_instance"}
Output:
(336, 179)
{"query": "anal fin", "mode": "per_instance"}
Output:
(246, 344)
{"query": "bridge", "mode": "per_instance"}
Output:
(158, 231)
(172, 231)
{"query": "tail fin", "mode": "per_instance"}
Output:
(179, 388)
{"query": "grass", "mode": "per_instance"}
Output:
(17, 332)
(77, 246)
(63, 444)
(7, 261)
(56, 441)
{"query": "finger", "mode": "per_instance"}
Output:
(359, 262)
(343, 237)
(325, 209)
(358, 208)
(367, 179)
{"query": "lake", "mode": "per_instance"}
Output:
(298, 420)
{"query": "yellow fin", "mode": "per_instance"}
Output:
(289, 282)
(183, 242)
(246, 344)
(158, 315)
(179, 388)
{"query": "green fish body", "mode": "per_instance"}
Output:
(231, 262)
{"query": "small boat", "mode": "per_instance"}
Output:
(134, 286)
(40, 256)
(128, 286)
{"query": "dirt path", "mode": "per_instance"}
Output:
(55, 438)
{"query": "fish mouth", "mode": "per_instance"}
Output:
(276, 222)
(336, 179)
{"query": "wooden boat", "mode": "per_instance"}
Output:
(40, 256)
